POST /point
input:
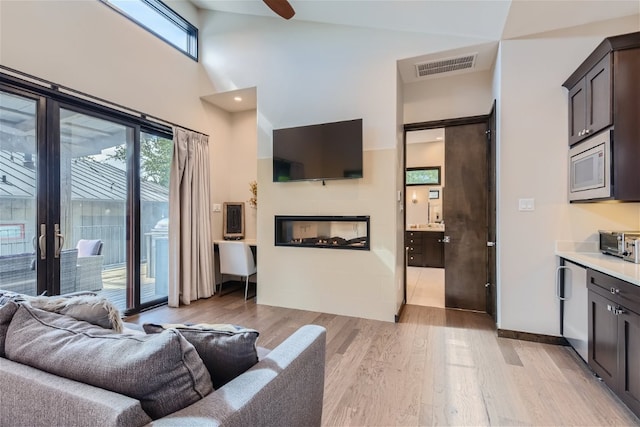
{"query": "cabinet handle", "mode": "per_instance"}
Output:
(587, 131)
(558, 272)
(618, 311)
(615, 291)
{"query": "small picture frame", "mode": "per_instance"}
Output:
(233, 221)
(434, 194)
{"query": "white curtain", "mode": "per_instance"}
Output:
(190, 249)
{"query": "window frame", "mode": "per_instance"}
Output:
(171, 15)
(436, 169)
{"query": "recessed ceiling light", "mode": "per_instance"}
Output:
(237, 98)
(438, 138)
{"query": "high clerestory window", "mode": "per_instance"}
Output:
(160, 20)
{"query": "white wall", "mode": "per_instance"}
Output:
(89, 47)
(313, 73)
(463, 95)
(234, 166)
(533, 164)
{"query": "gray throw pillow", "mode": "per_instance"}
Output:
(90, 308)
(6, 314)
(162, 371)
(226, 350)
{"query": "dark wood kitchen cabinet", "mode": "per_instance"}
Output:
(425, 248)
(614, 335)
(413, 242)
(590, 102)
(604, 94)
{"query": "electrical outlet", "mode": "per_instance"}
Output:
(217, 207)
(526, 205)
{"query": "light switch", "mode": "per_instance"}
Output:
(526, 204)
(217, 207)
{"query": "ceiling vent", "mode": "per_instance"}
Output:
(446, 65)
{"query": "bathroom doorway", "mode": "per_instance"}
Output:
(425, 180)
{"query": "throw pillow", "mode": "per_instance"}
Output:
(88, 247)
(6, 314)
(226, 350)
(6, 296)
(163, 371)
(90, 308)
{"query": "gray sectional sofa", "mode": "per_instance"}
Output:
(285, 387)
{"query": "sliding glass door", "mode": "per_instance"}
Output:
(18, 193)
(94, 190)
(155, 163)
(84, 195)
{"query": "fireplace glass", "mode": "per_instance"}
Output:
(334, 232)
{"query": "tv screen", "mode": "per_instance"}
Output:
(318, 152)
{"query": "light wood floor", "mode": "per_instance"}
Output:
(434, 367)
(425, 286)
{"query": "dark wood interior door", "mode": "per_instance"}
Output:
(465, 216)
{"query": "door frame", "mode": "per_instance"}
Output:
(485, 118)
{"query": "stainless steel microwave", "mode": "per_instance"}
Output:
(590, 168)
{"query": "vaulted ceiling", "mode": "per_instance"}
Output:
(484, 19)
(483, 22)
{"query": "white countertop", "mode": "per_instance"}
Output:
(587, 255)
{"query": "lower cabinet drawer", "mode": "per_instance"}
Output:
(616, 290)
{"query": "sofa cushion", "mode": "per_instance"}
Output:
(6, 314)
(227, 350)
(162, 371)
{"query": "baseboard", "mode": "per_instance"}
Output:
(527, 336)
(397, 316)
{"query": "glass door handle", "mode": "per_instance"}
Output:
(59, 240)
(42, 241)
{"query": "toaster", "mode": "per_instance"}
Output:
(631, 249)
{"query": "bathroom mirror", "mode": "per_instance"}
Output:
(233, 221)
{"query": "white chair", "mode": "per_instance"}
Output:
(236, 258)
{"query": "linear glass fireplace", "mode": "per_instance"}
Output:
(334, 232)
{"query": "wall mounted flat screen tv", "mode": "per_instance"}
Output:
(318, 152)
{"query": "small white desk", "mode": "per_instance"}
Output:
(250, 242)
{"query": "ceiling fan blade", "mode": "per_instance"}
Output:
(281, 7)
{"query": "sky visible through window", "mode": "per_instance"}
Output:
(150, 18)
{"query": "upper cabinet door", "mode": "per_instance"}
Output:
(590, 102)
(599, 96)
(577, 111)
